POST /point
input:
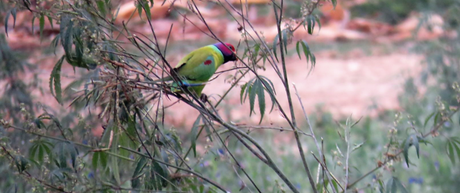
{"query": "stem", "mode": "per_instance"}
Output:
(312, 133)
(173, 166)
(434, 129)
(288, 93)
(347, 140)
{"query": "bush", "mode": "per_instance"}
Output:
(54, 149)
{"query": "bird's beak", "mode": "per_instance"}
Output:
(234, 58)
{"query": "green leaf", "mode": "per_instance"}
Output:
(63, 151)
(270, 89)
(100, 159)
(42, 25)
(256, 52)
(391, 187)
(297, 48)
(406, 151)
(7, 16)
(55, 43)
(101, 7)
(307, 53)
(252, 95)
(55, 80)
(450, 151)
(457, 149)
(456, 139)
(395, 184)
(147, 10)
(357, 146)
(310, 23)
(38, 150)
(143, 5)
(416, 144)
(334, 3)
(381, 188)
(424, 141)
(135, 181)
(411, 140)
(33, 150)
(257, 87)
(33, 25)
(318, 21)
(38, 122)
(73, 151)
(428, 119)
(51, 21)
(285, 39)
(437, 118)
(334, 183)
(161, 170)
(66, 38)
(243, 89)
(131, 129)
(274, 46)
(141, 163)
(77, 58)
(157, 177)
(194, 133)
(21, 163)
(261, 101)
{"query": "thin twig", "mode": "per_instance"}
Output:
(433, 130)
(313, 134)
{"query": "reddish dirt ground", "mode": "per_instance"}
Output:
(344, 86)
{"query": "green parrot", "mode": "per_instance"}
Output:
(196, 68)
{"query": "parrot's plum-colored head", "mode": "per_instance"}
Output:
(229, 54)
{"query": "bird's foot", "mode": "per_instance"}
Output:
(204, 98)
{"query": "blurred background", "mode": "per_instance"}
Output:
(392, 65)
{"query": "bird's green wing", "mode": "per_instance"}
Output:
(193, 86)
(199, 65)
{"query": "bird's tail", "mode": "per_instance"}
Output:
(193, 86)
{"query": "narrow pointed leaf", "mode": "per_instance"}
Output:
(311, 24)
(406, 151)
(33, 25)
(55, 81)
(252, 96)
(285, 39)
(428, 119)
(450, 151)
(7, 16)
(42, 26)
(139, 166)
(391, 186)
(193, 134)
(243, 90)
(270, 89)
(101, 7)
(399, 185)
(51, 21)
(457, 149)
(261, 96)
(297, 46)
(274, 46)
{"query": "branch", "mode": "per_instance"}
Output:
(433, 130)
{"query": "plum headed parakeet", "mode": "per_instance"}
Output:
(196, 68)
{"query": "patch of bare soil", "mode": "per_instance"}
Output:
(344, 86)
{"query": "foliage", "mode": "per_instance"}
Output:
(394, 12)
(138, 151)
